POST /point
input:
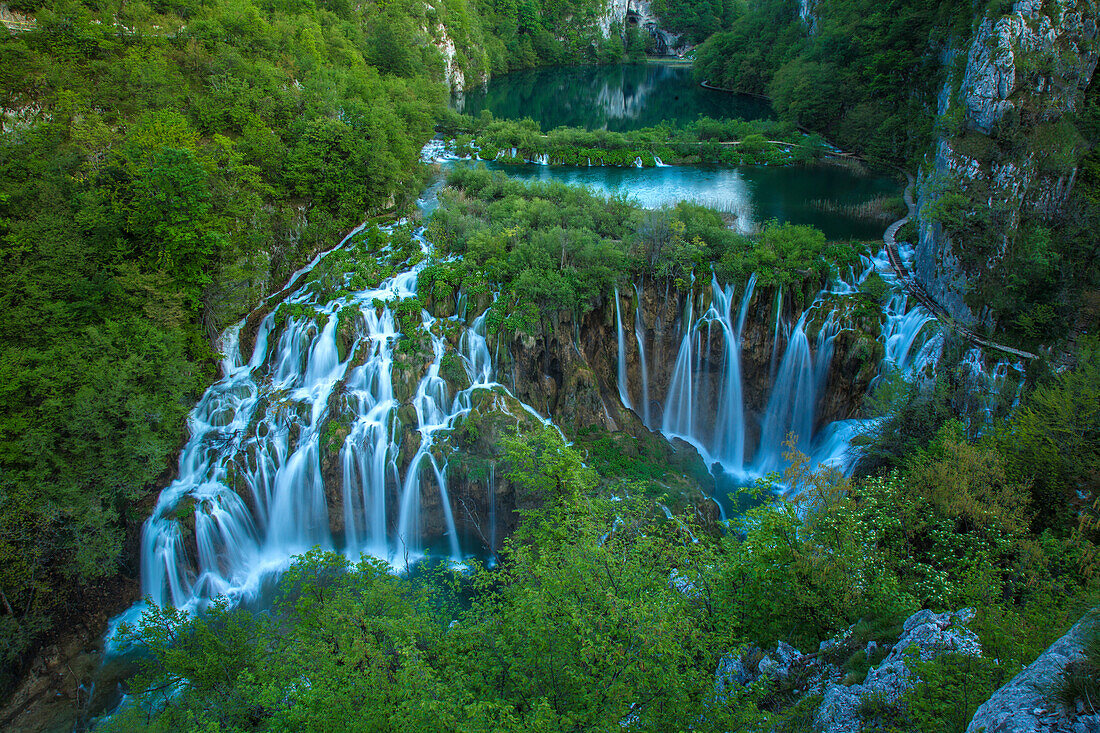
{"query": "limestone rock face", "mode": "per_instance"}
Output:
(930, 634)
(1024, 704)
(640, 14)
(1024, 73)
(1042, 50)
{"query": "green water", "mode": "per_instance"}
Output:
(617, 97)
(796, 194)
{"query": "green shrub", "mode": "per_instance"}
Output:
(1079, 682)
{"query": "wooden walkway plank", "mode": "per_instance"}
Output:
(915, 289)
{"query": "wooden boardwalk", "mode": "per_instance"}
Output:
(917, 291)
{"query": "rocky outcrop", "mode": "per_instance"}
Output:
(1006, 145)
(639, 14)
(925, 636)
(1026, 705)
(453, 74)
(1037, 59)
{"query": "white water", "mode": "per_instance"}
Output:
(713, 418)
(250, 492)
(719, 439)
(621, 351)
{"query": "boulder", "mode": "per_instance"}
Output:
(926, 635)
(1026, 705)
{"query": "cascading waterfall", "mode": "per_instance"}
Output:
(639, 335)
(791, 405)
(250, 492)
(778, 322)
(710, 414)
(492, 486)
(251, 489)
(622, 353)
(725, 441)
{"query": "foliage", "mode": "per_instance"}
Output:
(1054, 440)
(727, 142)
(801, 577)
(578, 628)
(550, 247)
(867, 76)
(170, 159)
(697, 19)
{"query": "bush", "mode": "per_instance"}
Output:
(1080, 680)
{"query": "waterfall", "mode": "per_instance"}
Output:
(368, 455)
(775, 334)
(314, 403)
(251, 491)
(623, 392)
(638, 162)
(687, 406)
(658, 163)
(492, 490)
(902, 328)
(639, 335)
(677, 421)
(791, 405)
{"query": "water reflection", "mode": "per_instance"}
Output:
(617, 97)
(814, 195)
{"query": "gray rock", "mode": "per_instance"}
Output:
(731, 673)
(926, 635)
(935, 634)
(1036, 61)
(769, 667)
(1024, 705)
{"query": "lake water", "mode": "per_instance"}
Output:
(629, 96)
(796, 194)
(616, 97)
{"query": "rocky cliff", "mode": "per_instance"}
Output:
(639, 14)
(1006, 148)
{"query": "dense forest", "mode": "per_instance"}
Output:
(868, 78)
(162, 167)
(165, 166)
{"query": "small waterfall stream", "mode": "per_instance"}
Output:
(713, 417)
